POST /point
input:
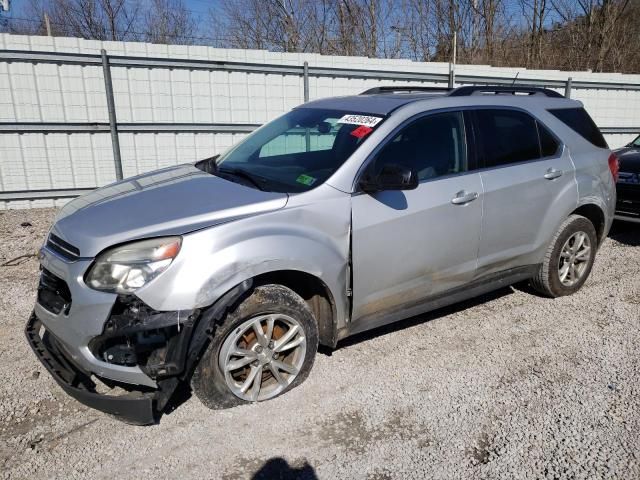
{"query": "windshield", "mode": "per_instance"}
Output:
(636, 142)
(298, 151)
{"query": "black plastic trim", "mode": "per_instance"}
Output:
(497, 90)
(63, 248)
(205, 328)
(409, 89)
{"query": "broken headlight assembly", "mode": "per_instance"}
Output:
(126, 268)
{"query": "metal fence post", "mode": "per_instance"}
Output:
(305, 81)
(113, 123)
(567, 88)
(305, 93)
(452, 63)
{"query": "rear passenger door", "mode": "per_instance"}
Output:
(529, 183)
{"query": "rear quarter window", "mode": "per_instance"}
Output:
(580, 122)
(548, 144)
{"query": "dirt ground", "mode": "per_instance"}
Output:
(510, 385)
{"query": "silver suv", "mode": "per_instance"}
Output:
(342, 215)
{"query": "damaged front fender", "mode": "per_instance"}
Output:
(309, 235)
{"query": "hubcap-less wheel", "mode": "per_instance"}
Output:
(574, 258)
(262, 356)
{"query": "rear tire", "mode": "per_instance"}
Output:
(265, 347)
(569, 258)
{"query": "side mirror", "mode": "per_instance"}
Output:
(391, 177)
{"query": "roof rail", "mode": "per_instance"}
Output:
(498, 90)
(407, 88)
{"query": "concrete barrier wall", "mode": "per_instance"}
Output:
(58, 93)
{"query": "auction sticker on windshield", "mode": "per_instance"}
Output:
(306, 180)
(365, 120)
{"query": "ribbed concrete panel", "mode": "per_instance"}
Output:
(13, 175)
(84, 160)
(50, 92)
(22, 83)
(618, 140)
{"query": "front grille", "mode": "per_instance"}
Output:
(62, 248)
(53, 293)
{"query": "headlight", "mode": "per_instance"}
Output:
(126, 268)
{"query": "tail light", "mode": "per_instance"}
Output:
(614, 166)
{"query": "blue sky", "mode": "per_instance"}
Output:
(201, 7)
(198, 7)
(200, 10)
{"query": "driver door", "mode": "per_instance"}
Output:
(409, 245)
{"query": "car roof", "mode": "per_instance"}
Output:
(378, 104)
(384, 103)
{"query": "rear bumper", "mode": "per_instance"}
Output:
(627, 218)
(628, 204)
(136, 407)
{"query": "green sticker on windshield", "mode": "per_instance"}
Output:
(306, 180)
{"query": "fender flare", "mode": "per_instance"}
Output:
(207, 323)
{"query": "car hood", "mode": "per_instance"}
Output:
(629, 159)
(171, 201)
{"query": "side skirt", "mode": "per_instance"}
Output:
(476, 288)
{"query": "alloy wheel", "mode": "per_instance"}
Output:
(574, 258)
(262, 356)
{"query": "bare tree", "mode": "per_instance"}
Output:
(493, 26)
(92, 19)
(264, 24)
(416, 29)
(168, 21)
(95, 19)
(535, 13)
(31, 21)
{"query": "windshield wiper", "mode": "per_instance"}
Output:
(238, 172)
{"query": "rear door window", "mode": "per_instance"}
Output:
(506, 136)
(580, 122)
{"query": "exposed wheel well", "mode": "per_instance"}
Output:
(595, 215)
(314, 292)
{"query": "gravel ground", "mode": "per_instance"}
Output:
(507, 386)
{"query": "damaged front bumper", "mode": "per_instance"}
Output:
(75, 315)
(140, 408)
(85, 338)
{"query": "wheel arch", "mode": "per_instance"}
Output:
(314, 292)
(596, 216)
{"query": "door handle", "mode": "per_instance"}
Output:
(553, 173)
(462, 197)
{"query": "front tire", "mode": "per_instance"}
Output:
(265, 347)
(569, 258)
